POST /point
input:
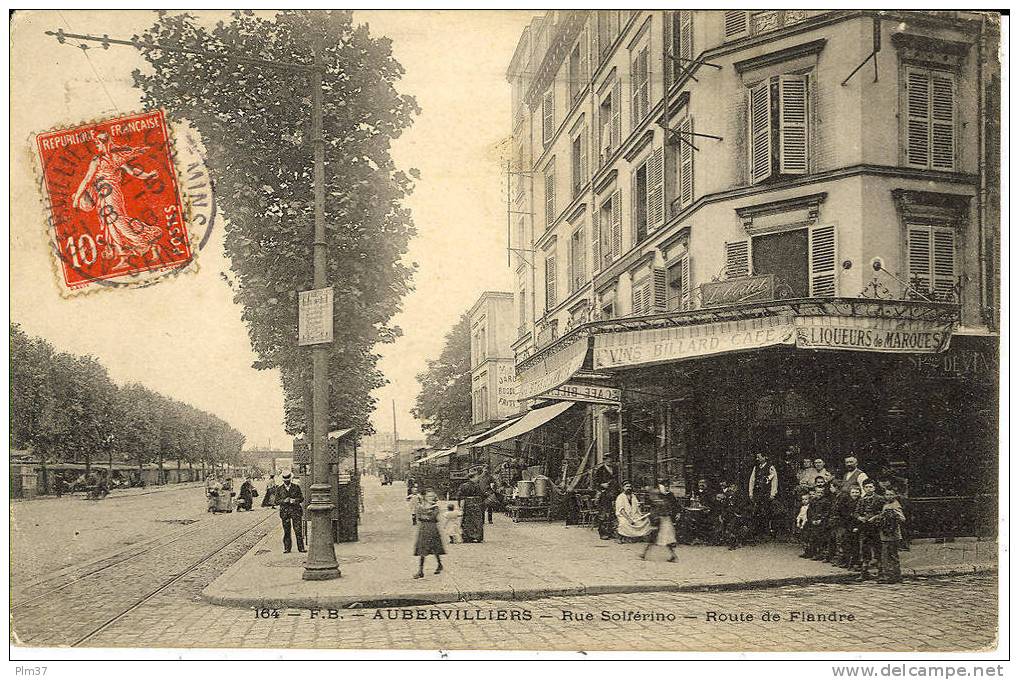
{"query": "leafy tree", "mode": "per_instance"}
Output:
(255, 124)
(444, 402)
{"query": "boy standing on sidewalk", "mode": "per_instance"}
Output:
(868, 509)
(890, 523)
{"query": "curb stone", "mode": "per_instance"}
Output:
(510, 594)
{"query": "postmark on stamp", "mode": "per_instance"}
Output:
(116, 209)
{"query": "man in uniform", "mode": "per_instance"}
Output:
(290, 499)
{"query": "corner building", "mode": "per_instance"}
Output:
(772, 231)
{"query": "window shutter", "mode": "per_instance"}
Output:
(686, 37)
(550, 195)
(617, 223)
(942, 121)
(635, 301)
(584, 175)
(661, 286)
(571, 255)
(584, 49)
(635, 85)
(759, 115)
(550, 281)
(943, 264)
(737, 24)
(548, 116)
(737, 259)
(686, 163)
(596, 241)
(645, 84)
(685, 301)
(655, 190)
(919, 257)
(581, 267)
(633, 206)
(918, 117)
(671, 68)
(617, 105)
(792, 132)
(823, 261)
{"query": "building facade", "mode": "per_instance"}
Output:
(772, 231)
(493, 380)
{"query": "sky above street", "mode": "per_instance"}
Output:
(184, 336)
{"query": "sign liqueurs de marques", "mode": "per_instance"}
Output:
(315, 317)
(871, 335)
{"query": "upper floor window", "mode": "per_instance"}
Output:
(648, 196)
(578, 161)
(679, 39)
(678, 289)
(610, 22)
(931, 261)
(608, 231)
(578, 70)
(610, 123)
(550, 281)
(548, 116)
(650, 294)
(930, 119)
(640, 83)
(779, 126)
(577, 274)
(803, 261)
(550, 209)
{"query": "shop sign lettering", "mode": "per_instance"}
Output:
(589, 393)
(871, 335)
(735, 291)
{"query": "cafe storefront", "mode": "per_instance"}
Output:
(893, 383)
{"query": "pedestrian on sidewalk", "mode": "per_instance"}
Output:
(451, 524)
(246, 496)
(269, 500)
(429, 542)
(890, 523)
(734, 516)
(291, 499)
(472, 503)
(763, 488)
(868, 511)
(663, 508)
(492, 499)
(413, 503)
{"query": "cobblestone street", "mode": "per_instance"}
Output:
(175, 619)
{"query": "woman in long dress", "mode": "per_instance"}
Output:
(632, 523)
(429, 542)
(472, 504)
(100, 190)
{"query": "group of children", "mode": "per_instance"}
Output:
(853, 526)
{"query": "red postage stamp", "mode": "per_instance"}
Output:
(115, 203)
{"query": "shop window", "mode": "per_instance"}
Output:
(778, 115)
(931, 262)
(930, 119)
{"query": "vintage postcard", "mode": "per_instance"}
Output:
(557, 330)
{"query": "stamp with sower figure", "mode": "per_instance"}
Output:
(115, 203)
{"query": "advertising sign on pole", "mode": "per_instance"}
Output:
(315, 317)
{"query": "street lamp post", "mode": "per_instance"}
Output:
(321, 563)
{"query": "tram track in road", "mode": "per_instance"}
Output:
(74, 612)
(177, 577)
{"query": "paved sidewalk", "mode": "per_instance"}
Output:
(531, 560)
(114, 493)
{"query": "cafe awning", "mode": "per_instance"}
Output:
(435, 456)
(531, 420)
(553, 370)
(487, 433)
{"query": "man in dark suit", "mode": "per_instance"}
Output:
(290, 499)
